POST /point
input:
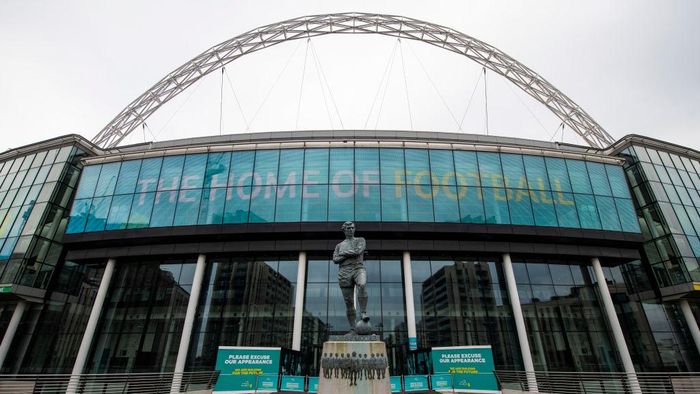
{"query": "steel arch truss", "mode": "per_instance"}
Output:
(218, 56)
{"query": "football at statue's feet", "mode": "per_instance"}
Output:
(363, 327)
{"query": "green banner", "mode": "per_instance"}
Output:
(415, 382)
(247, 369)
(472, 367)
(292, 383)
(395, 382)
(313, 385)
(441, 382)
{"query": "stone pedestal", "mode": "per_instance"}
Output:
(362, 368)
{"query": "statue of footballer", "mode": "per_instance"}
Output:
(352, 276)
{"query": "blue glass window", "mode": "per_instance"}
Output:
(218, 165)
(367, 203)
(578, 176)
(341, 205)
(543, 208)
(442, 167)
(316, 166)
(171, 173)
(188, 206)
(164, 209)
(536, 173)
(490, 169)
(513, 171)
(565, 206)
(314, 203)
(341, 166)
(242, 169)
(599, 179)
(262, 203)
(98, 214)
(211, 211)
(238, 204)
(420, 203)
(417, 167)
(446, 204)
(608, 213)
(394, 207)
(88, 181)
(291, 165)
(148, 177)
(520, 207)
(466, 168)
(78, 217)
(119, 212)
(618, 182)
(141, 208)
(392, 166)
(193, 172)
(288, 200)
(495, 205)
(128, 175)
(471, 206)
(587, 212)
(558, 174)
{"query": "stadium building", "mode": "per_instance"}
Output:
(147, 257)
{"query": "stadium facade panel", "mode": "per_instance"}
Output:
(462, 231)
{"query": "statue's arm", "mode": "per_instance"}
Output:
(360, 247)
(337, 257)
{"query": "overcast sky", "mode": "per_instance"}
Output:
(71, 66)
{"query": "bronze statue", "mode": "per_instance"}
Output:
(349, 254)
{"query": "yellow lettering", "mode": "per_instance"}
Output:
(420, 193)
(496, 180)
(563, 201)
(520, 193)
(533, 196)
(522, 183)
(498, 195)
(398, 177)
(544, 196)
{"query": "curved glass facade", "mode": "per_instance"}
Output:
(362, 184)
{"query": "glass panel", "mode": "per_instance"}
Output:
(211, 211)
(392, 166)
(288, 198)
(164, 208)
(442, 167)
(608, 213)
(367, 203)
(216, 174)
(466, 168)
(316, 166)
(420, 203)
(341, 166)
(290, 168)
(148, 177)
(599, 179)
(417, 167)
(193, 172)
(170, 174)
(514, 171)
(141, 208)
(587, 213)
(566, 210)
(188, 205)
(543, 208)
(536, 173)
(119, 212)
(578, 176)
(314, 203)
(341, 200)
(618, 183)
(78, 216)
(446, 205)
(238, 204)
(490, 169)
(519, 206)
(242, 169)
(88, 181)
(108, 179)
(495, 205)
(394, 207)
(98, 214)
(128, 176)
(471, 206)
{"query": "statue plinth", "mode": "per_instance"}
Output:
(362, 368)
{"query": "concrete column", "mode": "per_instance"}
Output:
(519, 323)
(689, 319)
(619, 338)
(91, 326)
(299, 302)
(410, 306)
(12, 329)
(189, 322)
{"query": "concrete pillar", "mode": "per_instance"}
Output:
(410, 306)
(689, 319)
(91, 326)
(519, 323)
(299, 302)
(619, 338)
(189, 322)
(12, 329)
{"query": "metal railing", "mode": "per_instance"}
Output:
(602, 382)
(113, 383)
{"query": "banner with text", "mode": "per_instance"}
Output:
(471, 366)
(247, 369)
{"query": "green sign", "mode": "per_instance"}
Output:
(441, 382)
(6, 289)
(415, 382)
(247, 369)
(313, 385)
(471, 366)
(292, 383)
(395, 382)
